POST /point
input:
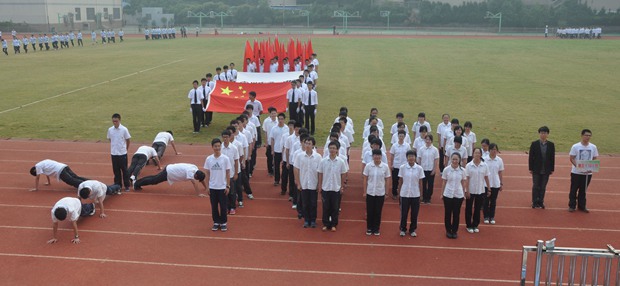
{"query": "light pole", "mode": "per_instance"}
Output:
(385, 14)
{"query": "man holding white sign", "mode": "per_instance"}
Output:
(581, 173)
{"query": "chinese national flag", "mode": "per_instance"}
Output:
(230, 97)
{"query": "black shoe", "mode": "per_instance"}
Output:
(585, 210)
(541, 205)
(299, 216)
(449, 235)
(534, 206)
(570, 210)
(455, 236)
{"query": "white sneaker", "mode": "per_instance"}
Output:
(476, 230)
(402, 233)
(413, 234)
(251, 196)
(470, 230)
(294, 207)
(486, 221)
(492, 221)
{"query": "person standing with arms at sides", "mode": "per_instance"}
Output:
(400, 118)
(471, 140)
(376, 176)
(311, 102)
(80, 38)
(418, 124)
(231, 151)
(119, 136)
(121, 33)
(307, 180)
(456, 148)
(277, 144)
(204, 90)
(146, 34)
(374, 112)
(208, 115)
(315, 62)
(74, 209)
(257, 110)
(419, 142)
(269, 123)
(332, 173)
(579, 179)
(93, 39)
(161, 141)
(251, 66)
(428, 159)
(225, 75)
(441, 129)
(233, 72)
(195, 100)
(454, 186)
(484, 144)
(398, 157)
(410, 178)
(496, 179)
(139, 159)
(294, 96)
(478, 178)
(217, 175)
(314, 76)
(541, 164)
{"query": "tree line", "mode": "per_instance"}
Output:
(411, 13)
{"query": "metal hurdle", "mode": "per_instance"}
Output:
(547, 250)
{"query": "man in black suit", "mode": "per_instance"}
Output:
(541, 166)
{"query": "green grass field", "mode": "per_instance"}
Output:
(506, 87)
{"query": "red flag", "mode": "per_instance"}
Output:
(309, 50)
(300, 54)
(247, 55)
(256, 54)
(231, 97)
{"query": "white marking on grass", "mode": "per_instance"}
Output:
(258, 269)
(85, 87)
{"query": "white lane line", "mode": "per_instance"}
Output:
(85, 87)
(345, 220)
(259, 269)
(261, 240)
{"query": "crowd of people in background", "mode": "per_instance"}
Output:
(55, 41)
(158, 33)
(579, 33)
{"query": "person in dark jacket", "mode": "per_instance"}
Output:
(541, 166)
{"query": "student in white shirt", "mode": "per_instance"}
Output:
(204, 90)
(428, 158)
(400, 118)
(310, 101)
(478, 178)
(293, 97)
(285, 159)
(175, 173)
(456, 148)
(375, 144)
(419, 142)
(454, 186)
(298, 147)
(471, 140)
(256, 111)
(161, 141)
(332, 171)
(52, 168)
(307, 180)
(410, 177)
(69, 207)
(217, 173)
(231, 151)
(579, 180)
(275, 137)
(374, 112)
(119, 138)
(421, 122)
(457, 130)
(484, 144)
(208, 115)
(441, 128)
(376, 176)
(403, 127)
(289, 143)
(315, 62)
(242, 183)
(314, 76)
(496, 179)
(94, 192)
(196, 103)
(247, 140)
(398, 157)
(269, 123)
(139, 159)
(373, 123)
(250, 66)
(233, 72)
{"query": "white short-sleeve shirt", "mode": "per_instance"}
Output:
(276, 134)
(268, 123)
(495, 166)
(332, 171)
(118, 137)
(395, 139)
(72, 205)
(582, 152)
(232, 153)
(367, 157)
(471, 140)
(97, 189)
(217, 167)
(475, 174)
(394, 128)
(427, 156)
(441, 128)
(180, 172)
(308, 166)
(376, 178)
(147, 151)
(399, 153)
(416, 128)
(50, 168)
(454, 177)
(163, 137)
(411, 176)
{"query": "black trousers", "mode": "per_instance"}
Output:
(47, 46)
(252, 161)
(473, 206)
(138, 161)
(452, 207)
(160, 148)
(40, 47)
(80, 43)
(577, 194)
(119, 167)
(309, 118)
(292, 111)
(269, 159)
(204, 119)
(428, 183)
(539, 187)
(374, 207)
(219, 209)
(292, 188)
(70, 178)
(285, 177)
(442, 154)
(259, 137)
(244, 183)
(331, 203)
(490, 203)
(405, 205)
(208, 115)
(232, 194)
(309, 198)
(87, 209)
(395, 182)
(277, 160)
(196, 116)
(152, 180)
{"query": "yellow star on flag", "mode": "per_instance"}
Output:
(226, 91)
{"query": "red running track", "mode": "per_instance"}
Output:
(162, 235)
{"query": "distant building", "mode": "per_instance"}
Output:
(63, 15)
(155, 17)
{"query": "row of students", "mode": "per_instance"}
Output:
(163, 33)
(311, 64)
